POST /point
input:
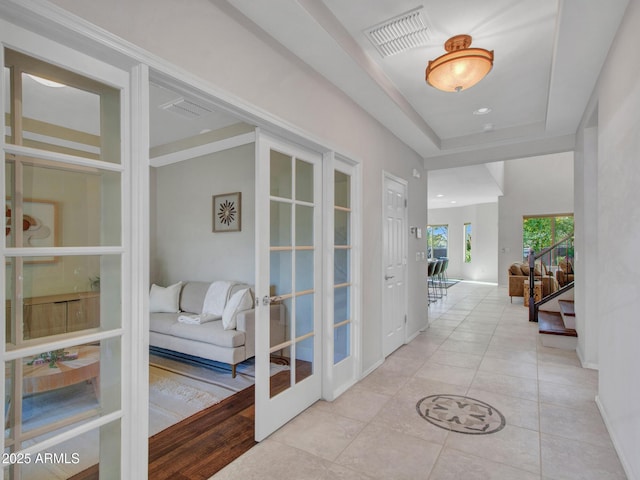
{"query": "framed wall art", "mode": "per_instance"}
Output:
(39, 226)
(227, 211)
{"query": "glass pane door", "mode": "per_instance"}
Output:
(342, 312)
(288, 284)
(63, 271)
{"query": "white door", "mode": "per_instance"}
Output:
(288, 281)
(394, 263)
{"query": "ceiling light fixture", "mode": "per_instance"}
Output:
(482, 111)
(461, 68)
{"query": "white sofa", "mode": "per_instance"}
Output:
(209, 340)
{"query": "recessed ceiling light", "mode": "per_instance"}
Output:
(482, 111)
(453, 201)
(439, 195)
(488, 127)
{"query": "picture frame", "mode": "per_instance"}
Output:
(227, 212)
(40, 226)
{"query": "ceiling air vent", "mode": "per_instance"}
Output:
(185, 108)
(399, 34)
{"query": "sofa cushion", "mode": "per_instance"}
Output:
(165, 299)
(162, 322)
(192, 297)
(241, 300)
(217, 297)
(524, 267)
(514, 269)
(210, 332)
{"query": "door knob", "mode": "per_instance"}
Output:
(388, 277)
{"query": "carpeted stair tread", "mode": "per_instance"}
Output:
(551, 323)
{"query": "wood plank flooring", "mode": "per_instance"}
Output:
(201, 445)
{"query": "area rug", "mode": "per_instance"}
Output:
(174, 397)
(212, 372)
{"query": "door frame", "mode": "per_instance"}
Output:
(405, 241)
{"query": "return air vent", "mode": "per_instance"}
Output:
(399, 34)
(186, 109)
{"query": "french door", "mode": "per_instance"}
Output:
(66, 257)
(342, 275)
(288, 283)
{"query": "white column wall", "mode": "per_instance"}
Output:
(618, 224)
(586, 245)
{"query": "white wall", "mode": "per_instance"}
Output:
(185, 248)
(618, 226)
(484, 240)
(77, 198)
(215, 45)
(532, 186)
(586, 243)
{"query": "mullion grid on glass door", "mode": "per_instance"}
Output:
(342, 268)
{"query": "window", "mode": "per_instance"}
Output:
(467, 243)
(437, 240)
(540, 232)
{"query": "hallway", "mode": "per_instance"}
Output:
(479, 346)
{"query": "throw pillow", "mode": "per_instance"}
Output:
(164, 299)
(515, 269)
(241, 300)
(525, 269)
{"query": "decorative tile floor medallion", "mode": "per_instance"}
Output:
(461, 414)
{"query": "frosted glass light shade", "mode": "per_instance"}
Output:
(461, 68)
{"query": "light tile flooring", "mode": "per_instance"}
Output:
(479, 345)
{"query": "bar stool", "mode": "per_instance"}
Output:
(430, 268)
(443, 274)
(435, 282)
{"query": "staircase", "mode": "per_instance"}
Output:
(557, 329)
(555, 313)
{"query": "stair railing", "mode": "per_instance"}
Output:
(561, 251)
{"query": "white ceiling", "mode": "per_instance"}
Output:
(548, 55)
(166, 126)
(463, 186)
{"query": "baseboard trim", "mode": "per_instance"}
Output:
(583, 363)
(616, 444)
(343, 389)
(408, 340)
(371, 369)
